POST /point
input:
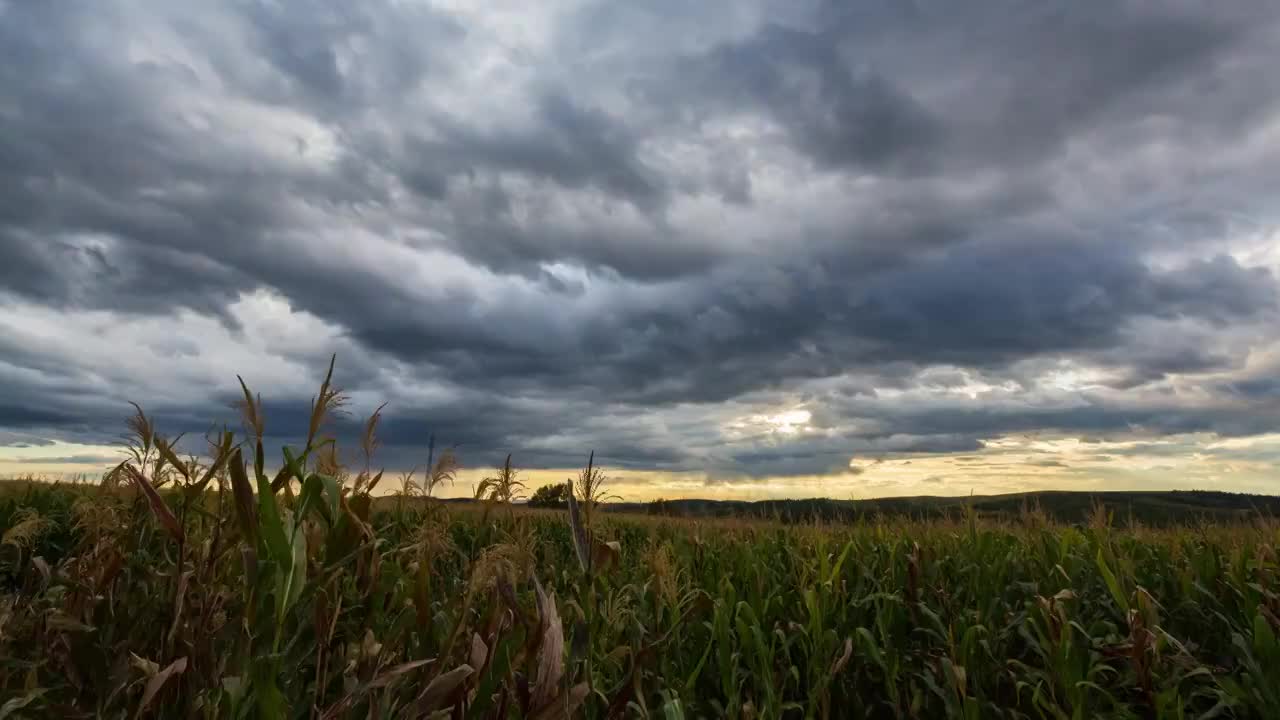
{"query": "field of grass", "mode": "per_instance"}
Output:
(188, 588)
(1148, 507)
(109, 611)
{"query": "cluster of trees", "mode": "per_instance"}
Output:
(550, 496)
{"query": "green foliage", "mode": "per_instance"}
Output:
(550, 496)
(692, 619)
(1152, 508)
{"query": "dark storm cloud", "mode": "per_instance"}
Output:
(1256, 387)
(998, 84)
(1020, 78)
(1093, 414)
(574, 146)
(836, 114)
(29, 416)
(593, 237)
(999, 300)
(985, 304)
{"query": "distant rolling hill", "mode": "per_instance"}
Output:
(1158, 507)
(1147, 507)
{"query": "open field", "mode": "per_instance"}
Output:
(1151, 507)
(317, 607)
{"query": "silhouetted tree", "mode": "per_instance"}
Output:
(550, 496)
(662, 506)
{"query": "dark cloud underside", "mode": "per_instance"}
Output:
(554, 228)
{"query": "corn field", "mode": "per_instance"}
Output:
(214, 587)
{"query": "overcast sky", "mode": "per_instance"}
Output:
(736, 247)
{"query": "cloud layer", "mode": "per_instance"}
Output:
(751, 239)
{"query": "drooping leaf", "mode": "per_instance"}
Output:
(564, 706)
(386, 677)
(251, 409)
(293, 468)
(550, 660)
(442, 691)
(158, 506)
(312, 490)
(157, 681)
(479, 652)
(147, 667)
(13, 705)
(242, 494)
(843, 660)
(605, 555)
(871, 647)
(332, 495)
(46, 573)
(166, 449)
(220, 459)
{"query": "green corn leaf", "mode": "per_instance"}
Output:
(289, 583)
(1112, 583)
(690, 682)
(935, 625)
(270, 701)
(292, 463)
(844, 555)
(322, 493)
(330, 493)
(672, 710)
(1264, 638)
(312, 489)
(273, 531)
(872, 648)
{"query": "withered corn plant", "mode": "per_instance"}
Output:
(218, 589)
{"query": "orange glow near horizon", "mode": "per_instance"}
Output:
(1004, 465)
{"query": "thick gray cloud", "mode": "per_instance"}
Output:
(69, 460)
(582, 225)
